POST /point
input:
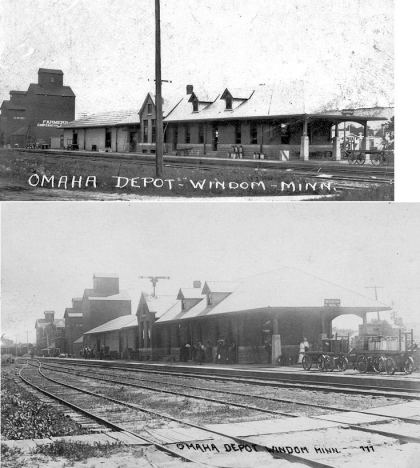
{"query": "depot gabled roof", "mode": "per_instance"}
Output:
(286, 99)
(126, 321)
(286, 288)
(105, 119)
(157, 305)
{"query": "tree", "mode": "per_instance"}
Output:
(389, 127)
(386, 327)
(397, 319)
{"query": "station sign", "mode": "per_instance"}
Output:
(52, 123)
(347, 112)
(332, 302)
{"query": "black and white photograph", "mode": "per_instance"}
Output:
(165, 302)
(166, 333)
(276, 99)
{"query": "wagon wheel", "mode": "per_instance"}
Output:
(390, 366)
(362, 364)
(342, 363)
(408, 365)
(385, 159)
(320, 362)
(307, 362)
(378, 364)
(361, 158)
(352, 158)
(329, 363)
(375, 159)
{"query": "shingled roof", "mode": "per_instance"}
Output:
(292, 98)
(126, 321)
(286, 288)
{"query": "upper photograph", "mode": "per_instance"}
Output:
(287, 100)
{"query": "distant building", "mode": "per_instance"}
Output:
(104, 302)
(50, 333)
(34, 115)
(73, 318)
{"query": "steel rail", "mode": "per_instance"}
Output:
(258, 447)
(107, 423)
(406, 393)
(197, 397)
(249, 395)
(297, 168)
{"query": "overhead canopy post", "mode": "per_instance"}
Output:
(304, 142)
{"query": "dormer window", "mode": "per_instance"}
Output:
(195, 105)
(149, 109)
(183, 304)
(209, 299)
(228, 103)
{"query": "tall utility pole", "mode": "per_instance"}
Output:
(154, 280)
(158, 77)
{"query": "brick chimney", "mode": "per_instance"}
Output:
(197, 284)
(190, 88)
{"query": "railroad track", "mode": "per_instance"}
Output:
(406, 421)
(275, 381)
(135, 382)
(322, 170)
(68, 394)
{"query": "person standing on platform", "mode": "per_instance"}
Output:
(268, 349)
(187, 352)
(209, 352)
(301, 351)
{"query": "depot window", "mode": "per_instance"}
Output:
(187, 134)
(153, 130)
(254, 133)
(201, 133)
(285, 133)
(238, 135)
(145, 130)
(228, 103)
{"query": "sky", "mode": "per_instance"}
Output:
(106, 47)
(51, 250)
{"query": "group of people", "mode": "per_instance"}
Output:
(87, 353)
(226, 352)
(199, 353)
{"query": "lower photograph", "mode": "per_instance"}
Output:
(164, 334)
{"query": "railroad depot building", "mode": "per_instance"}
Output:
(33, 116)
(287, 121)
(266, 317)
(123, 131)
